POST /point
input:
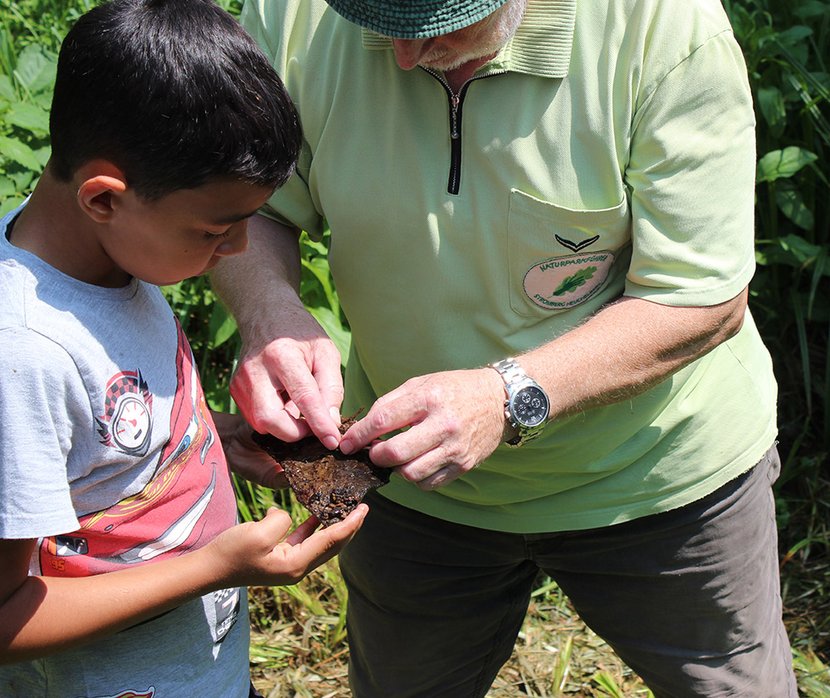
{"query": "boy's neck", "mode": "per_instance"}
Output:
(53, 227)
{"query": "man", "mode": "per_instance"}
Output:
(541, 234)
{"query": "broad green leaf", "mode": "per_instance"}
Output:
(19, 152)
(317, 246)
(35, 69)
(331, 324)
(222, 325)
(10, 204)
(319, 267)
(794, 35)
(7, 187)
(791, 202)
(773, 109)
(799, 249)
(7, 92)
(43, 154)
(29, 117)
(810, 9)
(22, 179)
(778, 164)
(792, 43)
(43, 100)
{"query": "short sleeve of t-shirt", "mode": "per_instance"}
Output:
(693, 145)
(38, 394)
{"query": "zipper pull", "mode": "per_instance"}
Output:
(455, 100)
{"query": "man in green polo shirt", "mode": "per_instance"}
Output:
(541, 217)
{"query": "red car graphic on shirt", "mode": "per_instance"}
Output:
(188, 501)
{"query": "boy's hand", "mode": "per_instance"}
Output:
(260, 552)
(34, 610)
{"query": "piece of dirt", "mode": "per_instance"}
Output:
(330, 484)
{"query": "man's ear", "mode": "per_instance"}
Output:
(100, 187)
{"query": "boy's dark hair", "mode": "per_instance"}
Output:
(175, 93)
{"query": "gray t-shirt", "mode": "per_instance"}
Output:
(109, 458)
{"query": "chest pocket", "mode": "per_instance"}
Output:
(558, 257)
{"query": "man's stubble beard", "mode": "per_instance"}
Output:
(498, 29)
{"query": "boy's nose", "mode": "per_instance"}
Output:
(236, 242)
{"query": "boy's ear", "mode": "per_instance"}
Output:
(101, 185)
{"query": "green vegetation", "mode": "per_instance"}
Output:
(298, 632)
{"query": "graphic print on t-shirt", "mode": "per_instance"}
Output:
(188, 501)
(127, 422)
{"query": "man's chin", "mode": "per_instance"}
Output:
(445, 63)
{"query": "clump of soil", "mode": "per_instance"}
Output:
(330, 484)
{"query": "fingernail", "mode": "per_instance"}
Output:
(335, 415)
(346, 446)
(330, 442)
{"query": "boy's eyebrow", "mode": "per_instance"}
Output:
(234, 218)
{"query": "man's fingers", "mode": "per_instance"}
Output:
(258, 398)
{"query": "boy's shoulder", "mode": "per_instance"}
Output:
(23, 347)
(13, 284)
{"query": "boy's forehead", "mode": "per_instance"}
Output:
(219, 201)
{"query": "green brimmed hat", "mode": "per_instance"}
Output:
(414, 19)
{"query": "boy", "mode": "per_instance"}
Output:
(169, 129)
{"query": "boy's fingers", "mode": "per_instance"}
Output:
(278, 523)
(303, 531)
(324, 544)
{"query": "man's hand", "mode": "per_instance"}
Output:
(452, 420)
(288, 382)
(291, 386)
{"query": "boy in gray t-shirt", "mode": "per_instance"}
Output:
(121, 555)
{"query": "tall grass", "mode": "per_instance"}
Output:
(300, 629)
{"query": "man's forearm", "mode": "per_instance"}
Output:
(265, 277)
(626, 348)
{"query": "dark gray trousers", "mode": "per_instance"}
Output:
(689, 599)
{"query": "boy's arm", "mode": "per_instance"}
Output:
(43, 615)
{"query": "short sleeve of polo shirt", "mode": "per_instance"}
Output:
(691, 181)
(267, 22)
(39, 388)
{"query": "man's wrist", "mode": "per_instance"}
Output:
(526, 404)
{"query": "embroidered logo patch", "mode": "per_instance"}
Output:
(563, 282)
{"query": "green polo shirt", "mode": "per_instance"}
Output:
(607, 150)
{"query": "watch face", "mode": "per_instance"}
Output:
(529, 406)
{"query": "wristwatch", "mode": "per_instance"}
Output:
(527, 406)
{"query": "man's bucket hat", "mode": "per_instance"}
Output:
(414, 19)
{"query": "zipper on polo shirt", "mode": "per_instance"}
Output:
(456, 102)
